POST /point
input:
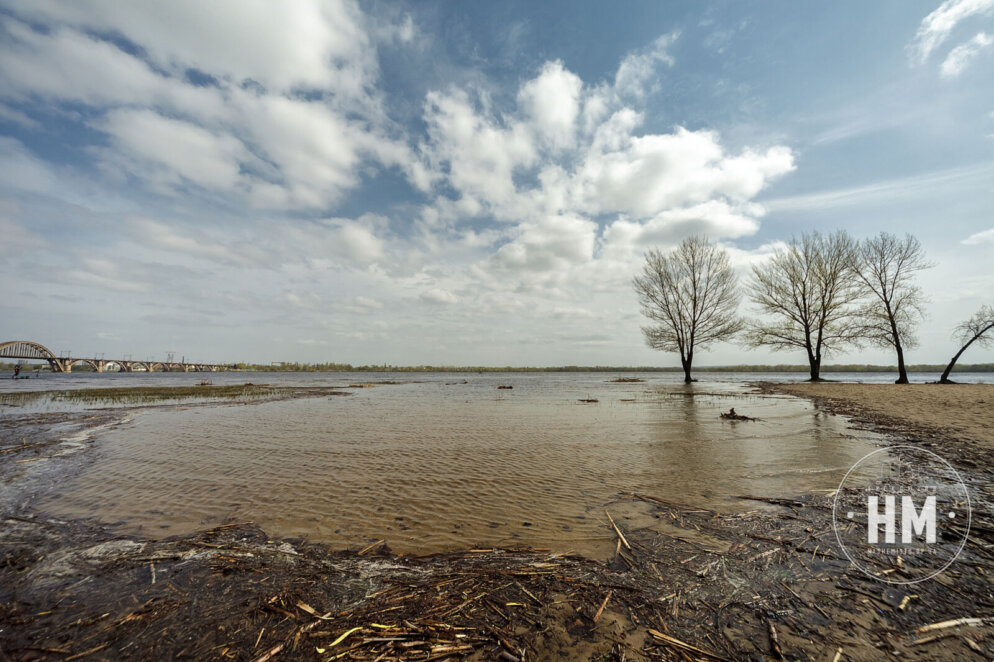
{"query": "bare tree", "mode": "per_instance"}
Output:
(974, 330)
(692, 296)
(810, 289)
(887, 266)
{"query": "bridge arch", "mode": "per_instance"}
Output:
(93, 364)
(25, 349)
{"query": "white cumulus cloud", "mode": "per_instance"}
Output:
(299, 43)
(637, 69)
(274, 104)
(582, 188)
(170, 149)
(552, 100)
(984, 237)
(960, 57)
(938, 25)
(438, 296)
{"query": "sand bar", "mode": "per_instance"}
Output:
(965, 411)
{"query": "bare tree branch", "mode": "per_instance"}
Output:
(810, 289)
(692, 295)
(887, 266)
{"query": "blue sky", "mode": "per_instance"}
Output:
(468, 183)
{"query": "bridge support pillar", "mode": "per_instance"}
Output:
(57, 365)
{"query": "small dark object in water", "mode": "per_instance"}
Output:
(730, 415)
(589, 400)
(627, 380)
(503, 386)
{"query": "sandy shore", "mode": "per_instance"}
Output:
(963, 411)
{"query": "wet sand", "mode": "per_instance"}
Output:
(964, 411)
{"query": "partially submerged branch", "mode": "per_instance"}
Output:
(973, 330)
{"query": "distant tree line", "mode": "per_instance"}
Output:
(817, 294)
(855, 367)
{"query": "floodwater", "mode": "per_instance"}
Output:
(435, 463)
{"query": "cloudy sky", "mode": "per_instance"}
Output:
(467, 183)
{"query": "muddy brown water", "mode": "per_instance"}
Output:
(435, 465)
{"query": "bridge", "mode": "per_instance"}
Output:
(24, 349)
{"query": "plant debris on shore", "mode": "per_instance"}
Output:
(702, 584)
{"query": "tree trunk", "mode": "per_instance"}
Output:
(687, 362)
(949, 368)
(902, 373)
(815, 363)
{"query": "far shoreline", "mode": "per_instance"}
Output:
(852, 368)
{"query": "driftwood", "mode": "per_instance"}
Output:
(730, 415)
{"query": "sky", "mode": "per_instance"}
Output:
(455, 183)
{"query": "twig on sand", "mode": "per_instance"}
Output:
(370, 547)
(275, 650)
(603, 604)
(621, 536)
(934, 637)
(87, 652)
(673, 641)
(956, 622)
(774, 641)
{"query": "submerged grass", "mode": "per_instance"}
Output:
(139, 395)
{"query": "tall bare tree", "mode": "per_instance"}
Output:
(887, 266)
(692, 297)
(810, 290)
(974, 330)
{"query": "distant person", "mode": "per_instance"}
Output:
(17, 371)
